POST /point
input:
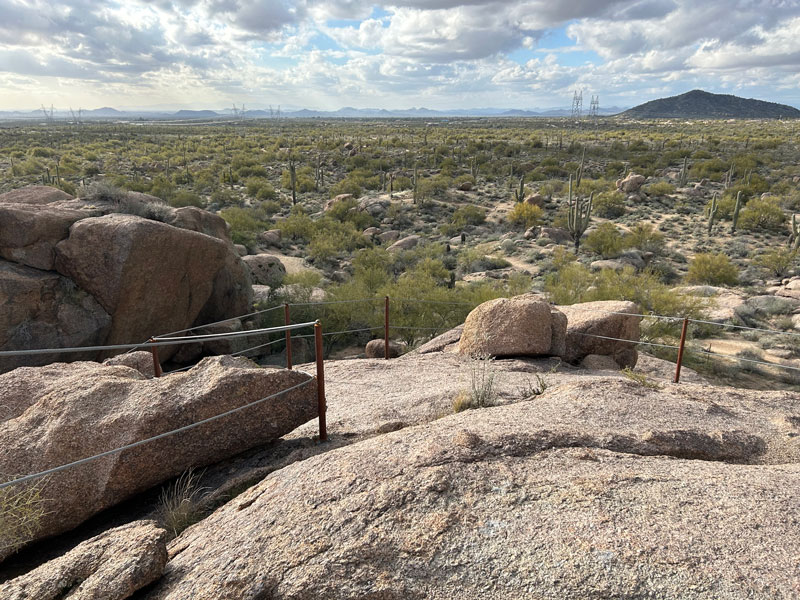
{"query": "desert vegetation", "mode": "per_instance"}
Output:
(456, 212)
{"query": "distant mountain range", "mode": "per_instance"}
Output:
(347, 112)
(698, 104)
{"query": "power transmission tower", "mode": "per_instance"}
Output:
(271, 112)
(279, 111)
(594, 109)
(48, 116)
(577, 104)
(235, 111)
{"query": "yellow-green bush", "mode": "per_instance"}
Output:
(525, 215)
(609, 205)
(605, 240)
(712, 269)
(762, 213)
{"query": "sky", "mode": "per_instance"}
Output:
(440, 54)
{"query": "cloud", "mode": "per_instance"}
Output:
(450, 52)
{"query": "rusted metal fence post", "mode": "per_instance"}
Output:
(321, 405)
(386, 328)
(156, 363)
(680, 350)
(287, 320)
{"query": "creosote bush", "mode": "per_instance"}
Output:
(605, 240)
(712, 269)
(526, 215)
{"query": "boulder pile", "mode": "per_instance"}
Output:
(528, 326)
(80, 272)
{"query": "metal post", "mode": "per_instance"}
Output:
(287, 320)
(680, 350)
(156, 363)
(386, 328)
(321, 408)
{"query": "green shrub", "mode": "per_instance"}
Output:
(660, 188)
(762, 213)
(298, 225)
(605, 240)
(468, 214)
(777, 262)
(185, 198)
(645, 237)
(244, 224)
(526, 215)
(346, 186)
(609, 205)
(712, 269)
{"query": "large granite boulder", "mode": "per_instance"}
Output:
(631, 183)
(600, 488)
(519, 326)
(150, 277)
(144, 275)
(590, 324)
(406, 243)
(33, 220)
(60, 413)
(201, 221)
(377, 349)
(41, 309)
(265, 269)
(110, 566)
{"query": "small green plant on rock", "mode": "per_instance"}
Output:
(640, 378)
(179, 504)
(21, 509)
(481, 392)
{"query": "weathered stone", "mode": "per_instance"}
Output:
(371, 231)
(140, 360)
(150, 277)
(722, 302)
(40, 309)
(241, 249)
(599, 362)
(231, 292)
(557, 235)
(33, 220)
(201, 221)
(607, 263)
(60, 413)
(377, 349)
(270, 238)
(389, 236)
(580, 493)
(265, 269)
(261, 293)
(375, 207)
(536, 200)
(519, 326)
(110, 566)
(631, 183)
(589, 323)
(335, 200)
(406, 243)
(439, 343)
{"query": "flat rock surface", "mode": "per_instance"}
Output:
(597, 488)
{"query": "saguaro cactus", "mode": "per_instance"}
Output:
(736, 211)
(684, 172)
(578, 216)
(712, 212)
(519, 192)
(794, 237)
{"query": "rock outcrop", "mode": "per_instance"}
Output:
(590, 324)
(60, 413)
(519, 326)
(41, 309)
(631, 183)
(265, 269)
(110, 566)
(406, 243)
(78, 272)
(598, 488)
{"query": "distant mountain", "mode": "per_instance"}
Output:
(196, 114)
(698, 104)
(106, 111)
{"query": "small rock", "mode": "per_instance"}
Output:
(376, 349)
